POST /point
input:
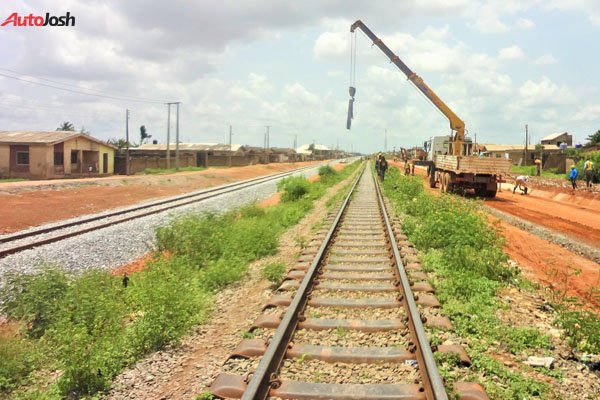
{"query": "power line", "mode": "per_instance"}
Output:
(76, 86)
(80, 92)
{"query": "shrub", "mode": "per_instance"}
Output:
(18, 360)
(38, 298)
(274, 271)
(293, 188)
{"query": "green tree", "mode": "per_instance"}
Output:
(120, 143)
(66, 126)
(84, 131)
(595, 138)
(144, 134)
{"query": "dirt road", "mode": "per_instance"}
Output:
(559, 209)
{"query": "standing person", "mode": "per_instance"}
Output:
(377, 158)
(588, 172)
(521, 183)
(573, 177)
(383, 166)
(538, 166)
(406, 167)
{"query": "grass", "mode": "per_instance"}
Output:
(163, 171)
(464, 254)
(90, 327)
(530, 170)
(274, 271)
(6, 180)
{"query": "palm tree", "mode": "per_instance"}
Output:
(66, 126)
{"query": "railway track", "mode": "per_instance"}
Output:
(16, 242)
(348, 321)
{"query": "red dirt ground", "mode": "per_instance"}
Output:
(575, 215)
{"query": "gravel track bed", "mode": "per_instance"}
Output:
(352, 294)
(354, 313)
(361, 276)
(240, 366)
(323, 372)
(352, 338)
(361, 282)
(260, 333)
(121, 244)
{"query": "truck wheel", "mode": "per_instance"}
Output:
(481, 192)
(432, 181)
(443, 182)
(449, 183)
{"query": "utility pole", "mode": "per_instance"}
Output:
(177, 137)
(127, 140)
(230, 133)
(169, 135)
(295, 141)
(267, 142)
(526, 140)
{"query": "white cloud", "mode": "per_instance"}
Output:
(546, 59)
(511, 53)
(545, 92)
(524, 23)
(331, 45)
(587, 114)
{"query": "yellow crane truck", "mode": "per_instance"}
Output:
(456, 171)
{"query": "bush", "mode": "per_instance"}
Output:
(274, 271)
(38, 299)
(327, 173)
(18, 360)
(293, 188)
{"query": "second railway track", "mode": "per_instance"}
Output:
(16, 242)
(346, 323)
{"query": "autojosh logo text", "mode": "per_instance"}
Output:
(37, 20)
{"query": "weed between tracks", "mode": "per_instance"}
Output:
(77, 333)
(464, 255)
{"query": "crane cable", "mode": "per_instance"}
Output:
(352, 88)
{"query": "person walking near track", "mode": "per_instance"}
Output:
(383, 166)
(573, 177)
(588, 172)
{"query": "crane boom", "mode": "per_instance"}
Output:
(456, 124)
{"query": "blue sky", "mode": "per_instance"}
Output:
(499, 64)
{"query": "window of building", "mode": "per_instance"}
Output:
(59, 158)
(498, 155)
(73, 157)
(22, 158)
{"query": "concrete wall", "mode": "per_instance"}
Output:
(111, 159)
(41, 161)
(4, 160)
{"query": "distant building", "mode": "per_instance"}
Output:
(516, 152)
(557, 138)
(53, 154)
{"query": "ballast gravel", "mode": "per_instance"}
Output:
(118, 245)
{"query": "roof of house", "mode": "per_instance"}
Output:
(304, 149)
(555, 136)
(190, 146)
(45, 137)
(510, 147)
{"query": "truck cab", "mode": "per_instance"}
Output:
(440, 145)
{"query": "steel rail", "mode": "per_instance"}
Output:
(260, 383)
(434, 385)
(170, 203)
